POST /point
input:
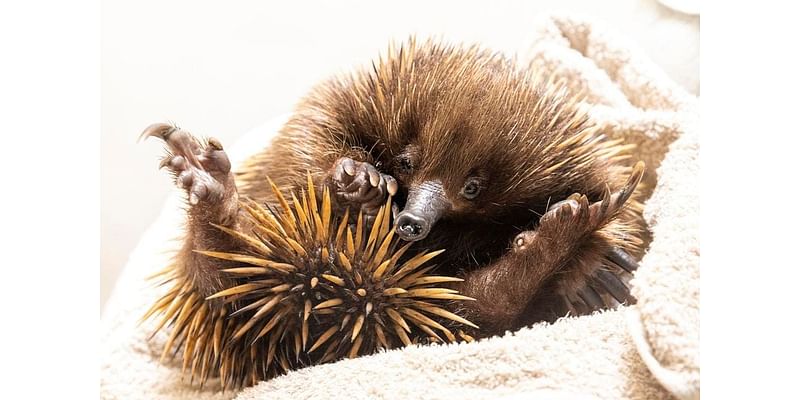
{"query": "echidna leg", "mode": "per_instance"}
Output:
(204, 171)
(521, 287)
(360, 185)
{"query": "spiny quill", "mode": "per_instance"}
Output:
(310, 288)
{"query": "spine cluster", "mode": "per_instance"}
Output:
(311, 288)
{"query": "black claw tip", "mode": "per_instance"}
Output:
(613, 285)
(623, 259)
(577, 304)
(591, 298)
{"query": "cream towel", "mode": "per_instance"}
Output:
(646, 351)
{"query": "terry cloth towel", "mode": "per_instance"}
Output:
(646, 351)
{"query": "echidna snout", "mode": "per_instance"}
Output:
(426, 203)
(411, 227)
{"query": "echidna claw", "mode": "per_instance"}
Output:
(159, 130)
(613, 285)
(623, 259)
(591, 298)
(164, 162)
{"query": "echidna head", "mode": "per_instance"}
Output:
(449, 187)
(468, 133)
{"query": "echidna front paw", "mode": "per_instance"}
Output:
(360, 185)
(202, 169)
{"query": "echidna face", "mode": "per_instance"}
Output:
(442, 188)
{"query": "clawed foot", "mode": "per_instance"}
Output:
(571, 220)
(575, 217)
(360, 186)
(202, 169)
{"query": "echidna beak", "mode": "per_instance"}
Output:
(426, 203)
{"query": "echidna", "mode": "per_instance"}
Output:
(309, 288)
(498, 164)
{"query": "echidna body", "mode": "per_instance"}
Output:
(309, 288)
(499, 165)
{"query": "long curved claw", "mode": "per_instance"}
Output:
(580, 307)
(591, 298)
(159, 130)
(613, 285)
(179, 142)
(623, 259)
(630, 186)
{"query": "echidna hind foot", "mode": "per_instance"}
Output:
(570, 254)
(595, 278)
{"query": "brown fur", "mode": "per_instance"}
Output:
(458, 112)
(455, 113)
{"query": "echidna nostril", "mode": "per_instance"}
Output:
(411, 227)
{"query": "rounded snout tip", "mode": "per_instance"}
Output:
(411, 227)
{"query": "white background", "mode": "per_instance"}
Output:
(220, 68)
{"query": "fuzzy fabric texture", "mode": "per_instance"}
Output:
(646, 351)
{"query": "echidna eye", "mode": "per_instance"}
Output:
(404, 165)
(471, 189)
